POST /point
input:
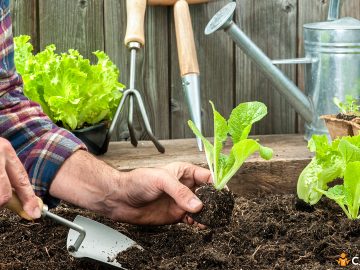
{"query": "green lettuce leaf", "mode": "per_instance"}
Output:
(223, 167)
(327, 165)
(347, 195)
(70, 90)
(352, 188)
(331, 161)
(243, 117)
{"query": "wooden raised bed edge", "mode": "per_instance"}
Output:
(279, 175)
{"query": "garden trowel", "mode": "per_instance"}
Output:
(86, 238)
(189, 67)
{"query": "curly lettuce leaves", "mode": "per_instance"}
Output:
(223, 167)
(339, 159)
(69, 89)
(326, 166)
(347, 195)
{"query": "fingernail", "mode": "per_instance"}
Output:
(195, 203)
(36, 213)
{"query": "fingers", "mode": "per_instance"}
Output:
(188, 220)
(13, 175)
(182, 195)
(188, 171)
(5, 187)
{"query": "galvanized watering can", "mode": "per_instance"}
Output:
(332, 59)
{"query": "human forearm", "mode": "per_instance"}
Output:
(142, 196)
(87, 182)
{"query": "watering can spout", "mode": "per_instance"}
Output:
(223, 21)
(334, 10)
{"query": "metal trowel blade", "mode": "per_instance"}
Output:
(101, 242)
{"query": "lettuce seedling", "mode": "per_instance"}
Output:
(349, 106)
(347, 195)
(222, 166)
(339, 159)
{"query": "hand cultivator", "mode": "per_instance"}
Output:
(134, 40)
(189, 67)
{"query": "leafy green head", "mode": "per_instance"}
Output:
(69, 89)
(350, 105)
(338, 159)
(238, 126)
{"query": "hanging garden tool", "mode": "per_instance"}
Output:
(189, 67)
(86, 238)
(135, 40)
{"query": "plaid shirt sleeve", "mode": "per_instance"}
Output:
(41, 146)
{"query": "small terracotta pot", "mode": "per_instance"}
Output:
(338, 127)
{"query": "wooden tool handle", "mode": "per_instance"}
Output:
(172, 2)
(185, 39)
(15, 205)
(135, 10)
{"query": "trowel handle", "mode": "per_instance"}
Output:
(185, 39)
(15, 205)
(172, 2)
(135, 10)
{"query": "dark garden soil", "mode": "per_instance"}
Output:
(268, 232)
(347, 117)
(218, 206)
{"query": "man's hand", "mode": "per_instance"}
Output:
(158, 196)
(143, 196)
(14, 176)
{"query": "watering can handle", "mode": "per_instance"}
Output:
(334, 10)
(135, 10)
(185, 39)
(15, 206)
(172, 2)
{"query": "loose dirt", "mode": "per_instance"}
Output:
(267, 232)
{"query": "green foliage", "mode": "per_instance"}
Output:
(339, 159)
(222, 166)
(349, 106)
(69, 89)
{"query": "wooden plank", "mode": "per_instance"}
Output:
(316, 11)
(272, 26)
(153, 76)
(24, 19)
(152, 64)
(278, 175)
(215, 56)
(72, 24)
(114, 29)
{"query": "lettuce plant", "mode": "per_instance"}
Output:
(339, 159)
(238, 126)
(350, 105)
(69, 89)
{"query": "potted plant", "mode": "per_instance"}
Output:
(218, 200)
(75, 94)
(345, 123)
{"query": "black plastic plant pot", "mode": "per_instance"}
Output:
(94, 137)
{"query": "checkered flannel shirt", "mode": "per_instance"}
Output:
(41, 146)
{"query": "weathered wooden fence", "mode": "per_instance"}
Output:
(228, 77)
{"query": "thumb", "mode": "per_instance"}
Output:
(182, 195)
